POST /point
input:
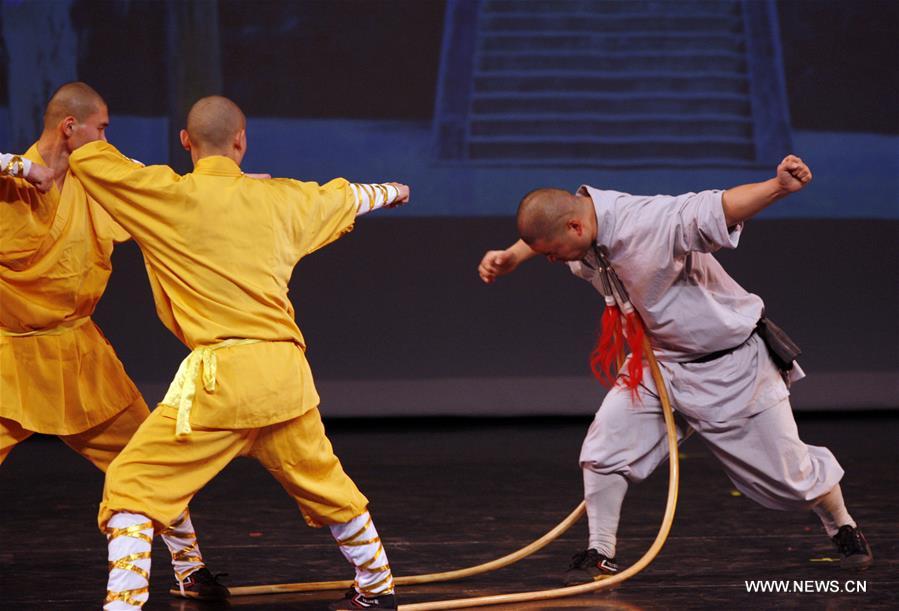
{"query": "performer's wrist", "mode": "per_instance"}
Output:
(369, 197)
(15, 165)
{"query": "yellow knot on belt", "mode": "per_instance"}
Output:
(63, 327)
(183, 388)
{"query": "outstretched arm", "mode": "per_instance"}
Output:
(501, 262)
(326, 212)
(133, 195)
(745, 201)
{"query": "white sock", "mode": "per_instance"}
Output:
(604, 495)
(181, 540)
(130, 538)
(361, 546)
(831, 510)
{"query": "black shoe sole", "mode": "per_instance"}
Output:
(857, 562)
(576, 580)
(195, 596)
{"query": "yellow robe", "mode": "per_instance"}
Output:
(220, 249)
(55, 253)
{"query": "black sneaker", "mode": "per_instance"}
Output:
(854, 551)
(201, 585)
(588, 566)
(355, 600)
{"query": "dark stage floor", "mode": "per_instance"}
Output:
(447, 494)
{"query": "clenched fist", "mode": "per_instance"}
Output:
(793, 174)
(41, 177)
(496, 263)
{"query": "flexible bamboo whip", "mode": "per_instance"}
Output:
(549, 537)
(602, 584)
(529, 549)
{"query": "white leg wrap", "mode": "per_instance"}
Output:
(604, 495)
(130, 538)
(181, 540)
(831, 510)
(361, 546)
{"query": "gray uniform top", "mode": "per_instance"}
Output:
(660, 247)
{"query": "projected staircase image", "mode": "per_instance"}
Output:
(611, 83)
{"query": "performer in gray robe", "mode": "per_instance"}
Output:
(704, 328)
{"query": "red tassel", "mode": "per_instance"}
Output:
(603, 359)
(635, 341)
(609, 344)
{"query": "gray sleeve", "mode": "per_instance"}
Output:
(650, 230)
(697, 223)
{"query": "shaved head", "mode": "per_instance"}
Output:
(213, 123)
(543, 214)
(74, 99)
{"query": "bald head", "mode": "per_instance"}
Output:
(544, 213)
(75, 99)
(213, 123)
(558, 224)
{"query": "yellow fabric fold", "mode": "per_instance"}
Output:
(183, 388)
(63, 327)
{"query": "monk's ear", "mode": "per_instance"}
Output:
(185, 139)
(240, 141)
(576, 226)
(67, 126)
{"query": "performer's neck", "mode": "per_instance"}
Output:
(231, 154)
(54, 151)
(588, 214)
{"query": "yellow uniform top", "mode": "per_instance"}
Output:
(220, 249)
(55, 253)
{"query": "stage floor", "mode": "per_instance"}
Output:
(451, 493)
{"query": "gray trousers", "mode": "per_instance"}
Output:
(761, 453)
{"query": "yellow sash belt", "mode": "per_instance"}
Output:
(59, 329)
(183, 388)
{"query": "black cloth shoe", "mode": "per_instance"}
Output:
(201, 585)
(588, 566)
(355, 600)
(854, 551)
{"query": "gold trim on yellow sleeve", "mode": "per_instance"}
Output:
(386, 194)
(355, 189)
(14, 161)
(374, 197)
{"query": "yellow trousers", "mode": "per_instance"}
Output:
(99, 444)
(157, 475)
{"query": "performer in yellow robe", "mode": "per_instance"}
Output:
(220, 248)
(58, 373)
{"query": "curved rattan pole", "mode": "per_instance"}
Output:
(549, 537)
(649, 556)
